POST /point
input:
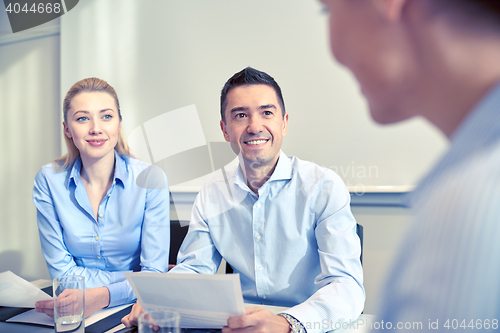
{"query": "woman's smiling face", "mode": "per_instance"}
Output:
(93, 123)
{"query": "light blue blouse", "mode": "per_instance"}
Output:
(132, 232)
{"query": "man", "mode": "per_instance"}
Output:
(283, 224)
(438, 59)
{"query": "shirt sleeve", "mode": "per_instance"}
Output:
(340, 296)
(155, 237)
(198, 253)
(61, 262)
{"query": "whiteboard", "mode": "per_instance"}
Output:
(166, 55)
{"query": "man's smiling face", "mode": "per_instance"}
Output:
(255, 125)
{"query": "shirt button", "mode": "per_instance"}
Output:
(264, 296)
(114, 182)
(109, 195)
(100, 215)
(261, 268)
(96, 237)
(98, 257)
(258, 237)
(257, 205)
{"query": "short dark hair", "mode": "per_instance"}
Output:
(245, 77)
(491, 6)
(482, 10)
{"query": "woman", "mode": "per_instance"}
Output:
(100, 212)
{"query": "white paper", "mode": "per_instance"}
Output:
(17, 292)
(32, 317)
(41, 318)
(203, 300)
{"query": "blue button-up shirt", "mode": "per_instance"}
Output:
(131, 233)
(294, 244)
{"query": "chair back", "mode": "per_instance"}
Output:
(177, 234)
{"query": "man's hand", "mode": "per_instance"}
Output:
(95, 299)
(257, 320)
(131, 319)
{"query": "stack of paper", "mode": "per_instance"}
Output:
(17, 292)
(32, 317)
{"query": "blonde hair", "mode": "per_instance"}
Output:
(92, 84)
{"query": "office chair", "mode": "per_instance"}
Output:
(359, 231)
(177, 234)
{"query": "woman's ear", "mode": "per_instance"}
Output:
(66, 130)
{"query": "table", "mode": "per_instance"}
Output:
(18, 328)
(22, 328)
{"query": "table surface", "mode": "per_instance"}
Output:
(19, 328)
(26, 328)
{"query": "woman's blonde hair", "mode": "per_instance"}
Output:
(92, 84)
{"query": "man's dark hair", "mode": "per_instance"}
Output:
(492, 6)
(245, 77)
(486, 11)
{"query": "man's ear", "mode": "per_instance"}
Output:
(224, 131)
(285, 124)
(391, 9)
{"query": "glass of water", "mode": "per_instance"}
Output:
(163, 321)
(69, 303)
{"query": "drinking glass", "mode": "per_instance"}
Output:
(69, 304)
(163, 321)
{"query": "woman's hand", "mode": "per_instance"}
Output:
(46, 307)
(95, 299)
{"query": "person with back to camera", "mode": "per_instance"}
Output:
(95, 217)
(440, 60)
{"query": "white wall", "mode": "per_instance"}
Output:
(383, 230)
(29, 138)
(30, 103)
(162, 55)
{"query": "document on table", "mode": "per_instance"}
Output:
(203, 300)
(17, 292)
(33, 317)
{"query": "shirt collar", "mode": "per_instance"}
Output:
(120, 174)
(121, 169)
(480, 128)
(283, 171)
(74, 174)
